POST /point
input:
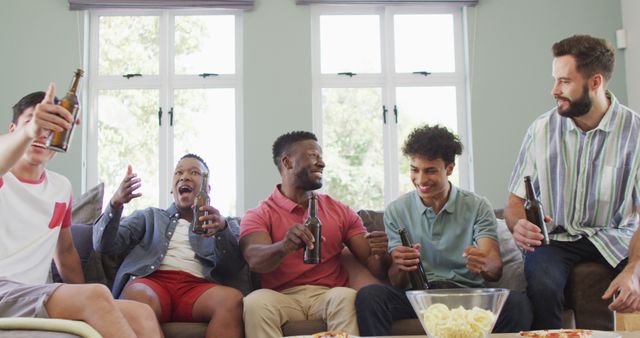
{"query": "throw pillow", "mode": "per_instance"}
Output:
(88, 207)
(512, 262)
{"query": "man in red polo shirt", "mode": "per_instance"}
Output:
(272, 237)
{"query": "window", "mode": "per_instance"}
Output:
(164, 83)
(379, 72)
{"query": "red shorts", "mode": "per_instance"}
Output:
(177, 292)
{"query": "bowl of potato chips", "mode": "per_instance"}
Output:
(458, 313)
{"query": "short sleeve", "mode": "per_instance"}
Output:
(354, 225)
(253, 221)
(391, 228)
(486, 224)
(67, 220)
(525, 164)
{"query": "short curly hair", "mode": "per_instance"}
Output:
(194, 156)
(283, 144)
(433, 142)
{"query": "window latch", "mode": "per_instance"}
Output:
(349, 74)
(171, 117)
(423, 73)
(205, 75)
(395, 113)
(130, 75)
(160, 116)
(384, 114)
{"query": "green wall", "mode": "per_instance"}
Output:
(510, 77)
(510, 43)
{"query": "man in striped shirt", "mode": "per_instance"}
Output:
(583, 157)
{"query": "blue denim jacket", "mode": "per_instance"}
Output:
(144, 237)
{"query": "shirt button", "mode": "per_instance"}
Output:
(224, 251)
(169, 232)
(110, 215)
(153, 267)
(134, 277)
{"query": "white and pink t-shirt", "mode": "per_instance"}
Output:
(31, 216)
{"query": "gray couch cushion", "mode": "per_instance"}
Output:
(512, 262)
(88, 207)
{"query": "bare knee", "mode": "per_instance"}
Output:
(143, 294)
(140, 317)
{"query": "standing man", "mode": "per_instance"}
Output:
(168, 267)
(35, 205)
(583, 157)
(272, 239)
(455, 232)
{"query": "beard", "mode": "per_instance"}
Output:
(577, 107)
(304, 181)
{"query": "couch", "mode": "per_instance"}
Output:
(583, 306)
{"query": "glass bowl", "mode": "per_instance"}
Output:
(458, 313)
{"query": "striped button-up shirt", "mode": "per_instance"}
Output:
(588, 182)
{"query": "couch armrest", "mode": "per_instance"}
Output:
(586, 284)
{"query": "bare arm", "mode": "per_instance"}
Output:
(366, 250)
(514, 211)
(485, 259)
(263, 255)
(67, 259)
(626, 286)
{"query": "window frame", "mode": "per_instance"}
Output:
(388, 81)
(165, 82)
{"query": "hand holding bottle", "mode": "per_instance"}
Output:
(214, 222)
(47, 116)
(127, 189)
(528, 235)
(406, 258)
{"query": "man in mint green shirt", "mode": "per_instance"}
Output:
(455, 235)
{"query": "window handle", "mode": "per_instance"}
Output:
(384, 114)
(423, 73)
(130, 75)
(171, 117)
(349, 74)
(205, 75)
(395, 113)
(160, 116)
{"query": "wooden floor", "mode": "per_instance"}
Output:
(627, 321)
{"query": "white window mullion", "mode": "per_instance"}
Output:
(389, 100)
(166, 132)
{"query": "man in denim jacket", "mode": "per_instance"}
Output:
(177, 272)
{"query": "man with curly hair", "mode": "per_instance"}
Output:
(455, 232)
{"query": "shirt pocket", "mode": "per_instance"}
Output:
(58, 214)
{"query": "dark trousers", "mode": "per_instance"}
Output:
(378, 306)
(547, 270)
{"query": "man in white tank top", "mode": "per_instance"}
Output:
(35, 205)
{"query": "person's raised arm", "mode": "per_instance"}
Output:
(46, 117)
(263, 255)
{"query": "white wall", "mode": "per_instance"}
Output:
(631, 23)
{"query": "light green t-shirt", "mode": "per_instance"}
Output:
(464, 219)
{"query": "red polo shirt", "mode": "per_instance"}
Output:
(278, 213)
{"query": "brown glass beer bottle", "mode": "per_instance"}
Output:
(417, 278)
(59, 140)
(202, 199)
(313, 256)
(533, 209)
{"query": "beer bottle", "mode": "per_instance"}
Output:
(533, 208)
(313, 256)
(59, 140)
(417, 278)
(202, 199)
